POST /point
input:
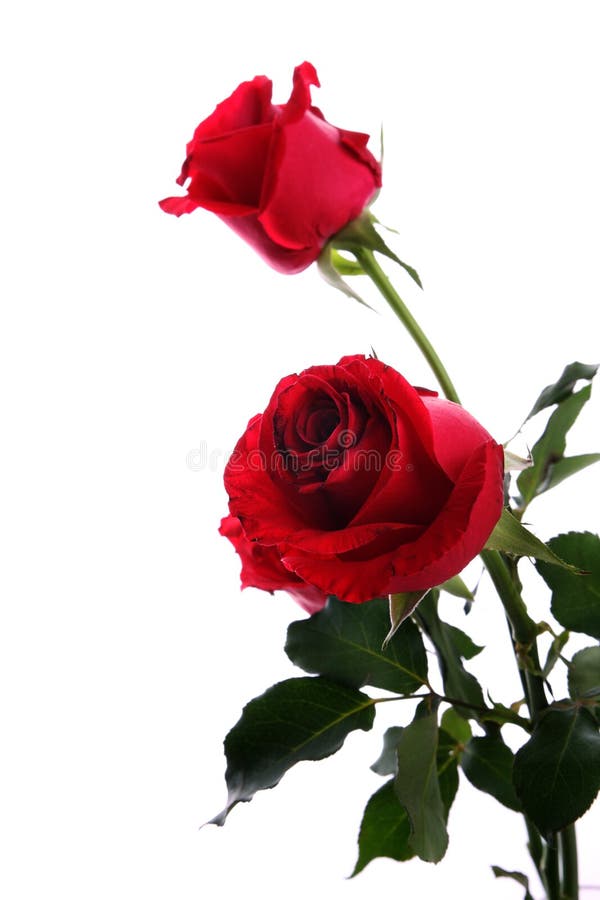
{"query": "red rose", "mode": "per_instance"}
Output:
(361, 485)
(281, 176)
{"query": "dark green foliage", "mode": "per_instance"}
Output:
(584, 675)
(344, 641)
(488, 764)
(557, 772)
(521, 879)
(549, 450)
(563, 388)
(298, 719)
(386, 827)
(576, 597)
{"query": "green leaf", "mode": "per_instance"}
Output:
(447, 767)
(384, 830)
(344, 642)
(509, 536)
(463, 644)
(417, 785)
(456, 726)
(297, 719)
(551, 446)
(557, 772)
(457, 588)
(521, 879)
(584, 674)
(448, 746)
(488, 764)
(576, 597)
(387, 762)
(458, 683)
(561, 389)
(569, 465)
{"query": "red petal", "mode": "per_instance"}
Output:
(249, 104)
(353, 582)
(351, 540)
(314, 186)
(456, 434)
(356, 143)
(411, 487)
(178, 205)
(395, 394)
(305, 75)
(288, 262)
(229, 169)
(262, 568)
(267, 513)
(463, 527)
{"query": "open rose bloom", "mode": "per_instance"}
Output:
(354, 483)
(279, 175)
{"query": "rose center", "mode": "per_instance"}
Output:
(319, 425)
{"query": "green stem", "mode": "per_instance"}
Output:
(570, 873)
(551, 875)
(523, 626)
(371, 267)
(524, 631)
(435, 696)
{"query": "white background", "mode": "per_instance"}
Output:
(131, 339)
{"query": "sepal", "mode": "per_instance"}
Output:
(361, 234)
(329, 271)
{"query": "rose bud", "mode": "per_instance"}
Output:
(279, 175)
(354, 483)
